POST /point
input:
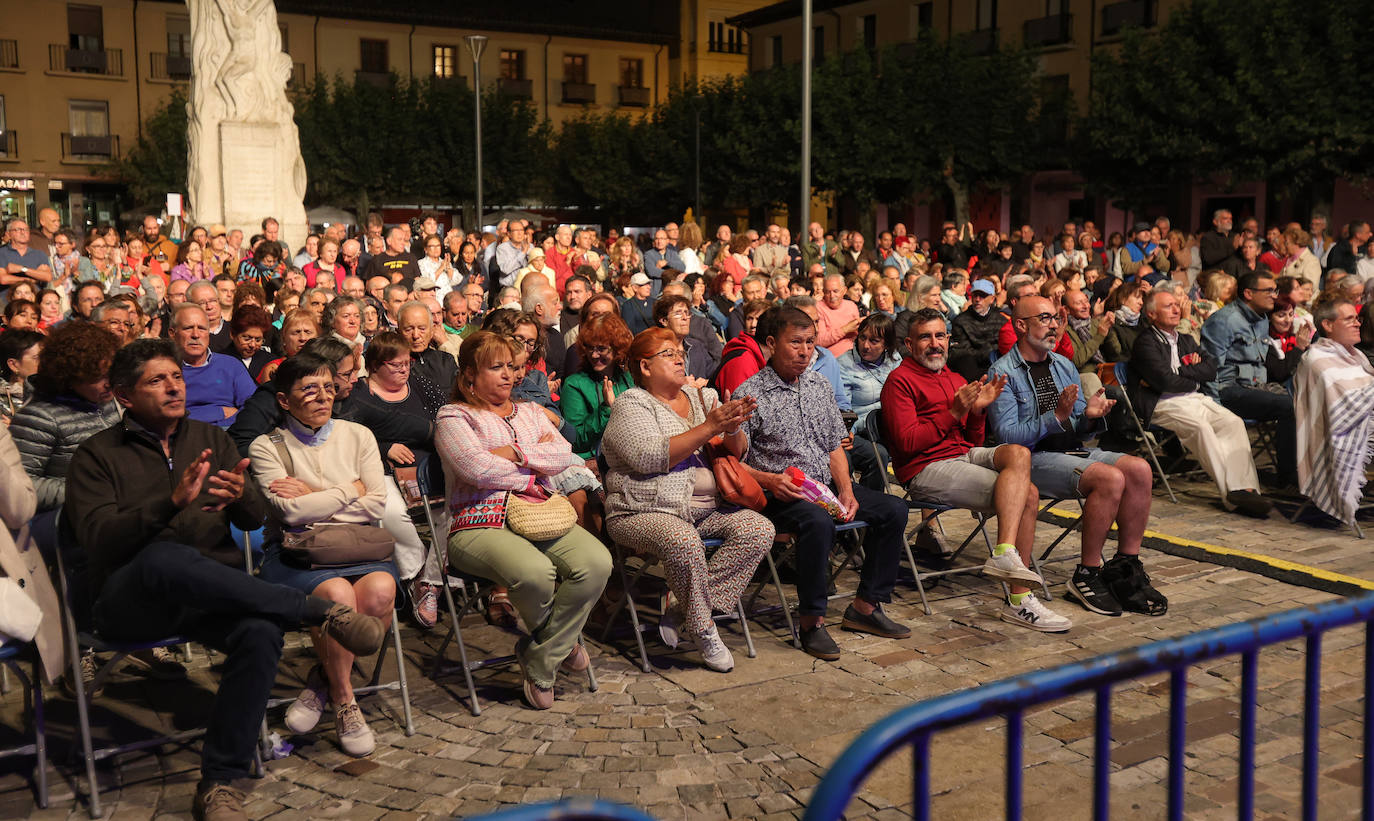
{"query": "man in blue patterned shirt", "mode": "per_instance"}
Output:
(798, 425)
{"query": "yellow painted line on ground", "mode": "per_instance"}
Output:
(1218, 550)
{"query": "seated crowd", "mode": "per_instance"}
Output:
(563, 392)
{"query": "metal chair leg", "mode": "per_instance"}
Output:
(782, 599)
(400, 672)
(40, 734)
(629, 603)
(456, 634)
(744, 625)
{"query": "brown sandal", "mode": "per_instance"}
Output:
(500, 612)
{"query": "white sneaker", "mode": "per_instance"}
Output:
(1033, 613)
(669, 623)
(354, 735)
(304, 713)
(1009, 568)
(714, 652)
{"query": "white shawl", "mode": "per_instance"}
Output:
(1333, 400)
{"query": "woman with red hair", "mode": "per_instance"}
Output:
(603, 342)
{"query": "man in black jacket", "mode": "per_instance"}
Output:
(163, 563)
(1216, 245)
(973, 333)
(1166, 370)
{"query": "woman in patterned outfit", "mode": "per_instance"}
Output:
(661, 495)
(491, 447)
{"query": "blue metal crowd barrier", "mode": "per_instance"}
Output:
(913, 726)
(574, 809)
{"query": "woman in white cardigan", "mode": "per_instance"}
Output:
(331, 473)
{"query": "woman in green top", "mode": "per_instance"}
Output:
(587, 396)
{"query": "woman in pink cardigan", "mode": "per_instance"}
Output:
(492, 447)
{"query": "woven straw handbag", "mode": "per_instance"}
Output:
(540, 520)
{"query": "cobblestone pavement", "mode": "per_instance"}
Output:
(685, 742)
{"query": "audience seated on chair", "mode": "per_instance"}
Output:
(973, 333)
(1042, 408)
(316, 470)
(1333, 395)
(865, 367)
(164, 562)
(589, 394)
(22, 562)
(1167, 371)
(743, 356)
(798, 424)
(493, 448)
(1237, 336)
(662, 496)
(217, 384)
(935, 425)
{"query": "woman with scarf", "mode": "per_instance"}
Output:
(1287, 341)
(1126, 302)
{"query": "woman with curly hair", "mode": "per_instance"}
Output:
(603, 342)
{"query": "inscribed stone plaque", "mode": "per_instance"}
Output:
(248, 163)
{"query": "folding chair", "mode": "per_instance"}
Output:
(1147, 436)
(251, 558)
(1365, 504)
(873, 431)
(785, 543)
(627, 602)
(10, 657)
(470, 591)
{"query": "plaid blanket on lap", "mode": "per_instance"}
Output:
(1333, 400)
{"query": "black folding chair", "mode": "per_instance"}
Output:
(11, 657)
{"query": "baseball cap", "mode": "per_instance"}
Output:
(639, 279)
(426, 284)
(218, 230)
(983, 286)
(1141, 226)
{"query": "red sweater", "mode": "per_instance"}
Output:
(919, 427)
(740, 359)
(1006, 340)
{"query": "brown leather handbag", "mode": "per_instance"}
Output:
(734, 482)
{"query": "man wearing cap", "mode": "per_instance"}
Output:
(638, 310)
(1142, 249)
(426, 286)
(973, 333)
(219, 256)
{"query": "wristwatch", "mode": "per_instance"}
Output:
(23, 270)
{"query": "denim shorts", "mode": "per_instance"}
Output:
(1057, 474)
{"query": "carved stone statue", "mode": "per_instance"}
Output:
(244, 157)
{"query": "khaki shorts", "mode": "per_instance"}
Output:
(965, 482)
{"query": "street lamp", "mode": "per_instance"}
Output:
(477, 44)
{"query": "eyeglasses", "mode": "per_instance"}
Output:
(1269, 291)
(528, 343)
(670, 354)
(680, 314)
(313, 392)
(1045, 318)
(398, 364)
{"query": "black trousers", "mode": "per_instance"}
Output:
(1263, 405)
(886, 516)
(174, 589)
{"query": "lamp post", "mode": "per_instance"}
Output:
(805, 204)
(477, 44)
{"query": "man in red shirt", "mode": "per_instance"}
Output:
(934, 422)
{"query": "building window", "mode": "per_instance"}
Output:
(512, 64)
(632, 72)
(89, 118)
(869, 31)
(986, 15)
(445, 62)
(373, 56)
(724, 39)
(285, 41)
(775, 49)
(178, 36)
(925, 15)
(818, 45)
(574, 68)
(85, 28)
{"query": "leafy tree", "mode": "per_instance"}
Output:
(156, 164)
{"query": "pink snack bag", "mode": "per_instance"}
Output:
(813, 491)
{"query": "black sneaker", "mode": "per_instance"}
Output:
(817, 642)
(1249, 503)
(876, 623)
(1088, 588)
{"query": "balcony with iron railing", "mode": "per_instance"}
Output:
(85, 148)
(108, 62)
(9, 145)
(1129, 14)
(633, 96)
(579, 93)
(521, 89)
(1043, 32)
(732, 43)
(9, 54)
(169, 67)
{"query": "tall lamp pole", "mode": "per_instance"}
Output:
(805, 210)
(477, 44)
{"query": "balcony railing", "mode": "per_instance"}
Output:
(9, 145)
(1118, 16)
(731, 44)
(162, 66)
(9, 54)
(579, 92)
(633, 96)
(983, 41)
(109, 61)
(86, 148)
(520, 89)
(1054, 30)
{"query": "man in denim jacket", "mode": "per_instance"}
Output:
(1238, 336)
(1042, 408)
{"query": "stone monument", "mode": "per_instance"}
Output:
(244, 156)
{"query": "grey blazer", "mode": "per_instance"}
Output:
(635, 445)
